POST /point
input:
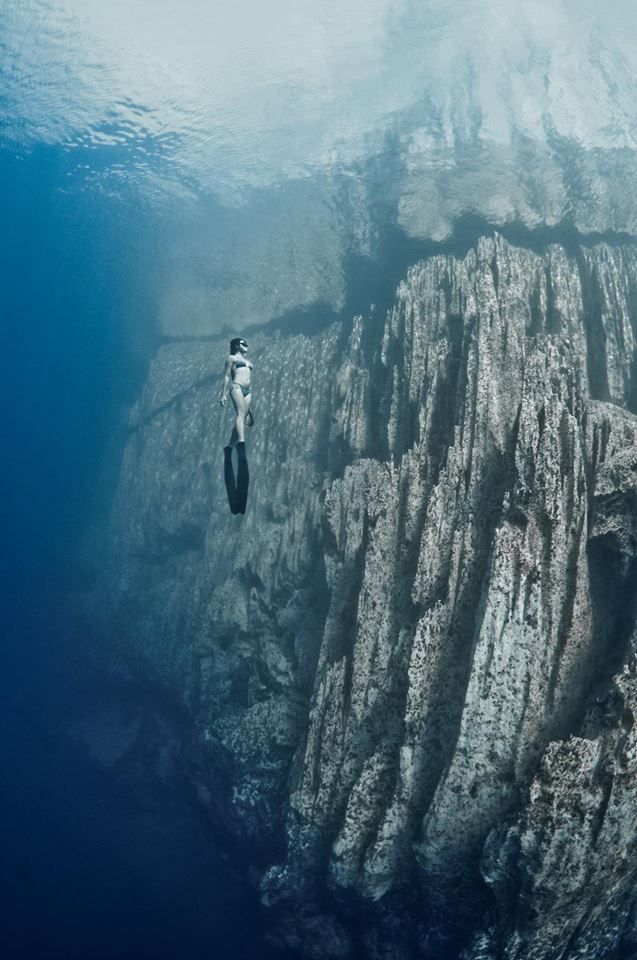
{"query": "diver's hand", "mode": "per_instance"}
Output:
(223, 401)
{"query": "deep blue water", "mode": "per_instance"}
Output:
(95, 861)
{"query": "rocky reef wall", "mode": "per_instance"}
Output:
(411, 666)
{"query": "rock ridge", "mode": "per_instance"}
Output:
(410, 667)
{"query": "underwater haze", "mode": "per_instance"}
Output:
(174, 170)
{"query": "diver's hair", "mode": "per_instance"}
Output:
(234, 344)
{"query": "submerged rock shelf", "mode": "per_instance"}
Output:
(411, 666)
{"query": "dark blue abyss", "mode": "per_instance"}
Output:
(98, 860)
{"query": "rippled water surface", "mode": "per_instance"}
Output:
(274, 143)
(229, 95)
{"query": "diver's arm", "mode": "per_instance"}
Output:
(226, 381)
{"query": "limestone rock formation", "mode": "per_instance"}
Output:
(411, 666)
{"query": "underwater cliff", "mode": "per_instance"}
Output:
(410, 669)
(388, 714)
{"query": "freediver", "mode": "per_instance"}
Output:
(236, 380)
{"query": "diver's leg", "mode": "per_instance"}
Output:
(239, 405)
(249, 415)
(233, 437)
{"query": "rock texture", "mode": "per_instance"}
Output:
(411, 666)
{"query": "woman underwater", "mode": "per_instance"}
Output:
(236, 379)
(237, 376)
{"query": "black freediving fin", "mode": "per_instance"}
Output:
(228, 472)
(243, 478)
